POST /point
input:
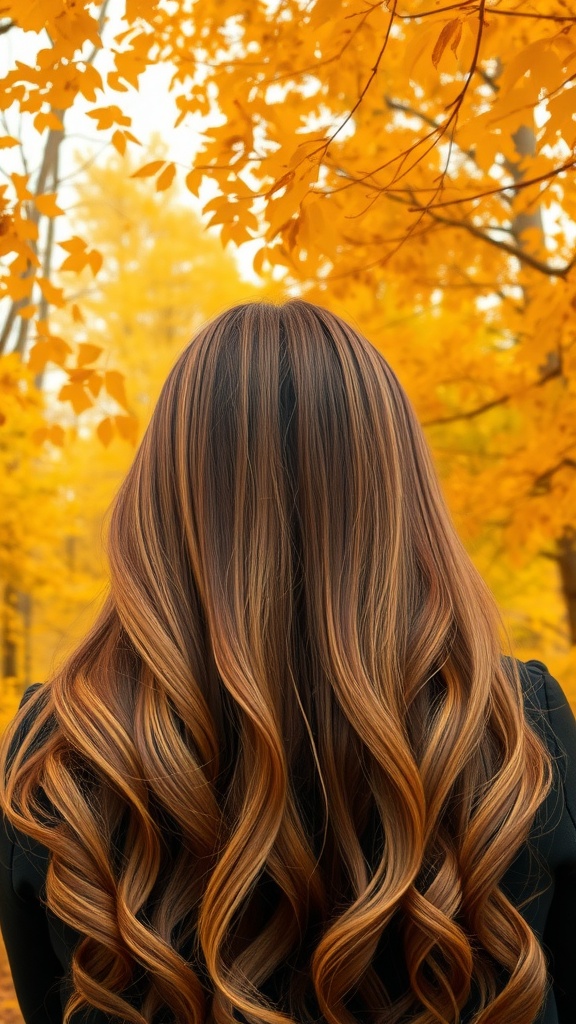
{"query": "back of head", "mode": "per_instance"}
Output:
(293, 707)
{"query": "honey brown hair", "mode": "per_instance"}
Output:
(291, 731)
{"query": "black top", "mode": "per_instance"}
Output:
(40, 946)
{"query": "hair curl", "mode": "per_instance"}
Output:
(291, 732)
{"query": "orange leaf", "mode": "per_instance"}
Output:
(47, 120)
(284, 180)
(89, 81)
(40, 435)
(165, 179)
(56, 434)
(87, 353)
(26, 312)
(76, 395)
(79, 376)
(77, 314)
(456, 37)
(73, 245)
(148, 169)
(94, 383)
(105, 431)
(114, 382)
(7, 141)
(107, 116)
(20, 182)
(127, 427)
(450, 29)
(114, 81)
(258, 261)
(52, 294)
(75, 261)
(119, 141)
(80, 256)
(17, 287)
(53, 349)
(95, 260)
(38, 356)
(47, 205)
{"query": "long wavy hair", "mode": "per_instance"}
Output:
(291, 733)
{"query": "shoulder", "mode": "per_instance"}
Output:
(548, 708)
(31, 702)
(544, 698)
(23, 860)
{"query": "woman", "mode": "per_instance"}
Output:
(289, 775)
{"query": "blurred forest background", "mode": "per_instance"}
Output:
(410, 166)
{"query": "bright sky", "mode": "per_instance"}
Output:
(152, 111)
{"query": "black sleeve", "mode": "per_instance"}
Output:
(36, 970)
(560, 932)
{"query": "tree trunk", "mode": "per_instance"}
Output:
(567, 565)
(9, 646)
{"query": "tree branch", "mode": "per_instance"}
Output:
(493, 403)
(499, 243)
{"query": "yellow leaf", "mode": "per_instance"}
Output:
(105, 431)
(87, 353)
(114, 383)
(165, 179)
(147, 170)
(47, 205)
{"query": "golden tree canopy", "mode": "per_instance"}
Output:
(403, 158)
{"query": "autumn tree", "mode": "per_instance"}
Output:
(162, 276)
(409, 161)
